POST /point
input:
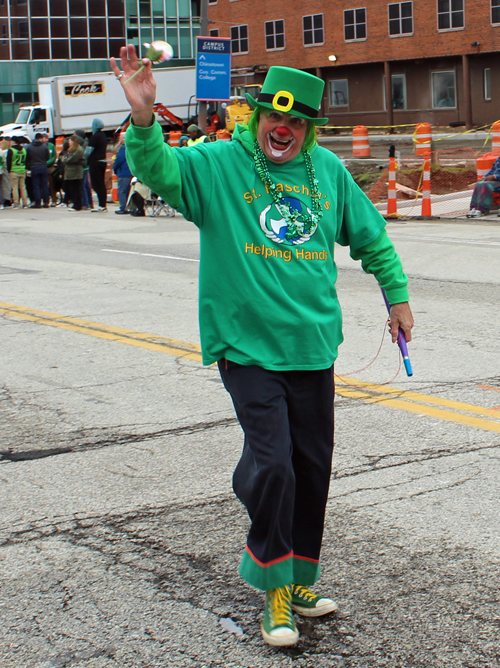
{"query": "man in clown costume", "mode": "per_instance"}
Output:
(270, 206)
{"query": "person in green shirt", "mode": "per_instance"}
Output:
(16, 166)
(270, 206)
(51, 165)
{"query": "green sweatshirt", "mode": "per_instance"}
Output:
(266, 299)
(52, 154)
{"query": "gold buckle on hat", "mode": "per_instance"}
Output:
(283, 107)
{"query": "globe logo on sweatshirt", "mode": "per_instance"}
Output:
(276, 228)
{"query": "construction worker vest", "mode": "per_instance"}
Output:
(18, 164)
(198, 140)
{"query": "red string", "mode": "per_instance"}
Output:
(387, 382)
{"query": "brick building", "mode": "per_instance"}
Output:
(384, 63)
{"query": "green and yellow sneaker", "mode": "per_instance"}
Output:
(307, 603)
(278, 626)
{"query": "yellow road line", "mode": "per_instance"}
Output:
(118, 334)
(413, 402)
(384, 390)
(422, 409)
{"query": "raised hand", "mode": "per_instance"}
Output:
(139, 91)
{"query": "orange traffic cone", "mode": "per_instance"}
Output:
(426, 189)
(392, 206)
(114, 189)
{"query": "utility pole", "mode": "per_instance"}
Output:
(202, 106)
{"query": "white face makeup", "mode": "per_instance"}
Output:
(280, 135)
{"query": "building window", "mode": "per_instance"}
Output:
(450, 14)
(214, 32)
(487, 84)
(275, 35)
(239, 39)
(443, 90)
(401, 18)
(495, 11)
(212, 2)
(313, 30)
(398, 91)
(354, 24)
(338, 93)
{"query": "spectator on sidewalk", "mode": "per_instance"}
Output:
(74, 160)
(51, 165)
(96, 158)
(122, 171)
(37, 157)
(6, 192)
(4, 176)
(16, 166)
(85, 186)
(486, 192)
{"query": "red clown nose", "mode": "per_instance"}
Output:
(282, 131)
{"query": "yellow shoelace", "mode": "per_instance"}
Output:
(280, 611)
(303, 592)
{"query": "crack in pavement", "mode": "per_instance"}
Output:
(118, 439)
(431, 604)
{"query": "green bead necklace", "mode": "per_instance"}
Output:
(289, 214)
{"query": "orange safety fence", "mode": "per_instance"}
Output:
(454, 172)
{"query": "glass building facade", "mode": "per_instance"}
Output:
(41, 38)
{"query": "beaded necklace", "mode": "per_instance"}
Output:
(289, 214)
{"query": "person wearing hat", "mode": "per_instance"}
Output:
(97, 162)
(270, 206)
(195, 135)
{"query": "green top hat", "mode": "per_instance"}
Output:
(293, 92)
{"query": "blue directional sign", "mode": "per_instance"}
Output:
(213, 68)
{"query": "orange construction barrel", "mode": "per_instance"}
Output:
(360, 142)
(175, 137)
(495, 138)
(423, 138)
(483, 164)
(223, 135)
(59, 144)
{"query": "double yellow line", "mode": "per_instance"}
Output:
(422, 404)
(413, 402)
(118, 334)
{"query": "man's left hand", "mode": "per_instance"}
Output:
(400, 316)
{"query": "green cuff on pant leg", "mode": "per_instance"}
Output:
(270, 575)
(305, 571)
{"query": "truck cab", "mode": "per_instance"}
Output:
(29, 121)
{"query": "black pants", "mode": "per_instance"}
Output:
(97, 171)
(283, 475)
(73, 193)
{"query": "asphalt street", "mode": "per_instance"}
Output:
(119, 533)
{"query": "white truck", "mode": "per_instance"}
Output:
(70, 102)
